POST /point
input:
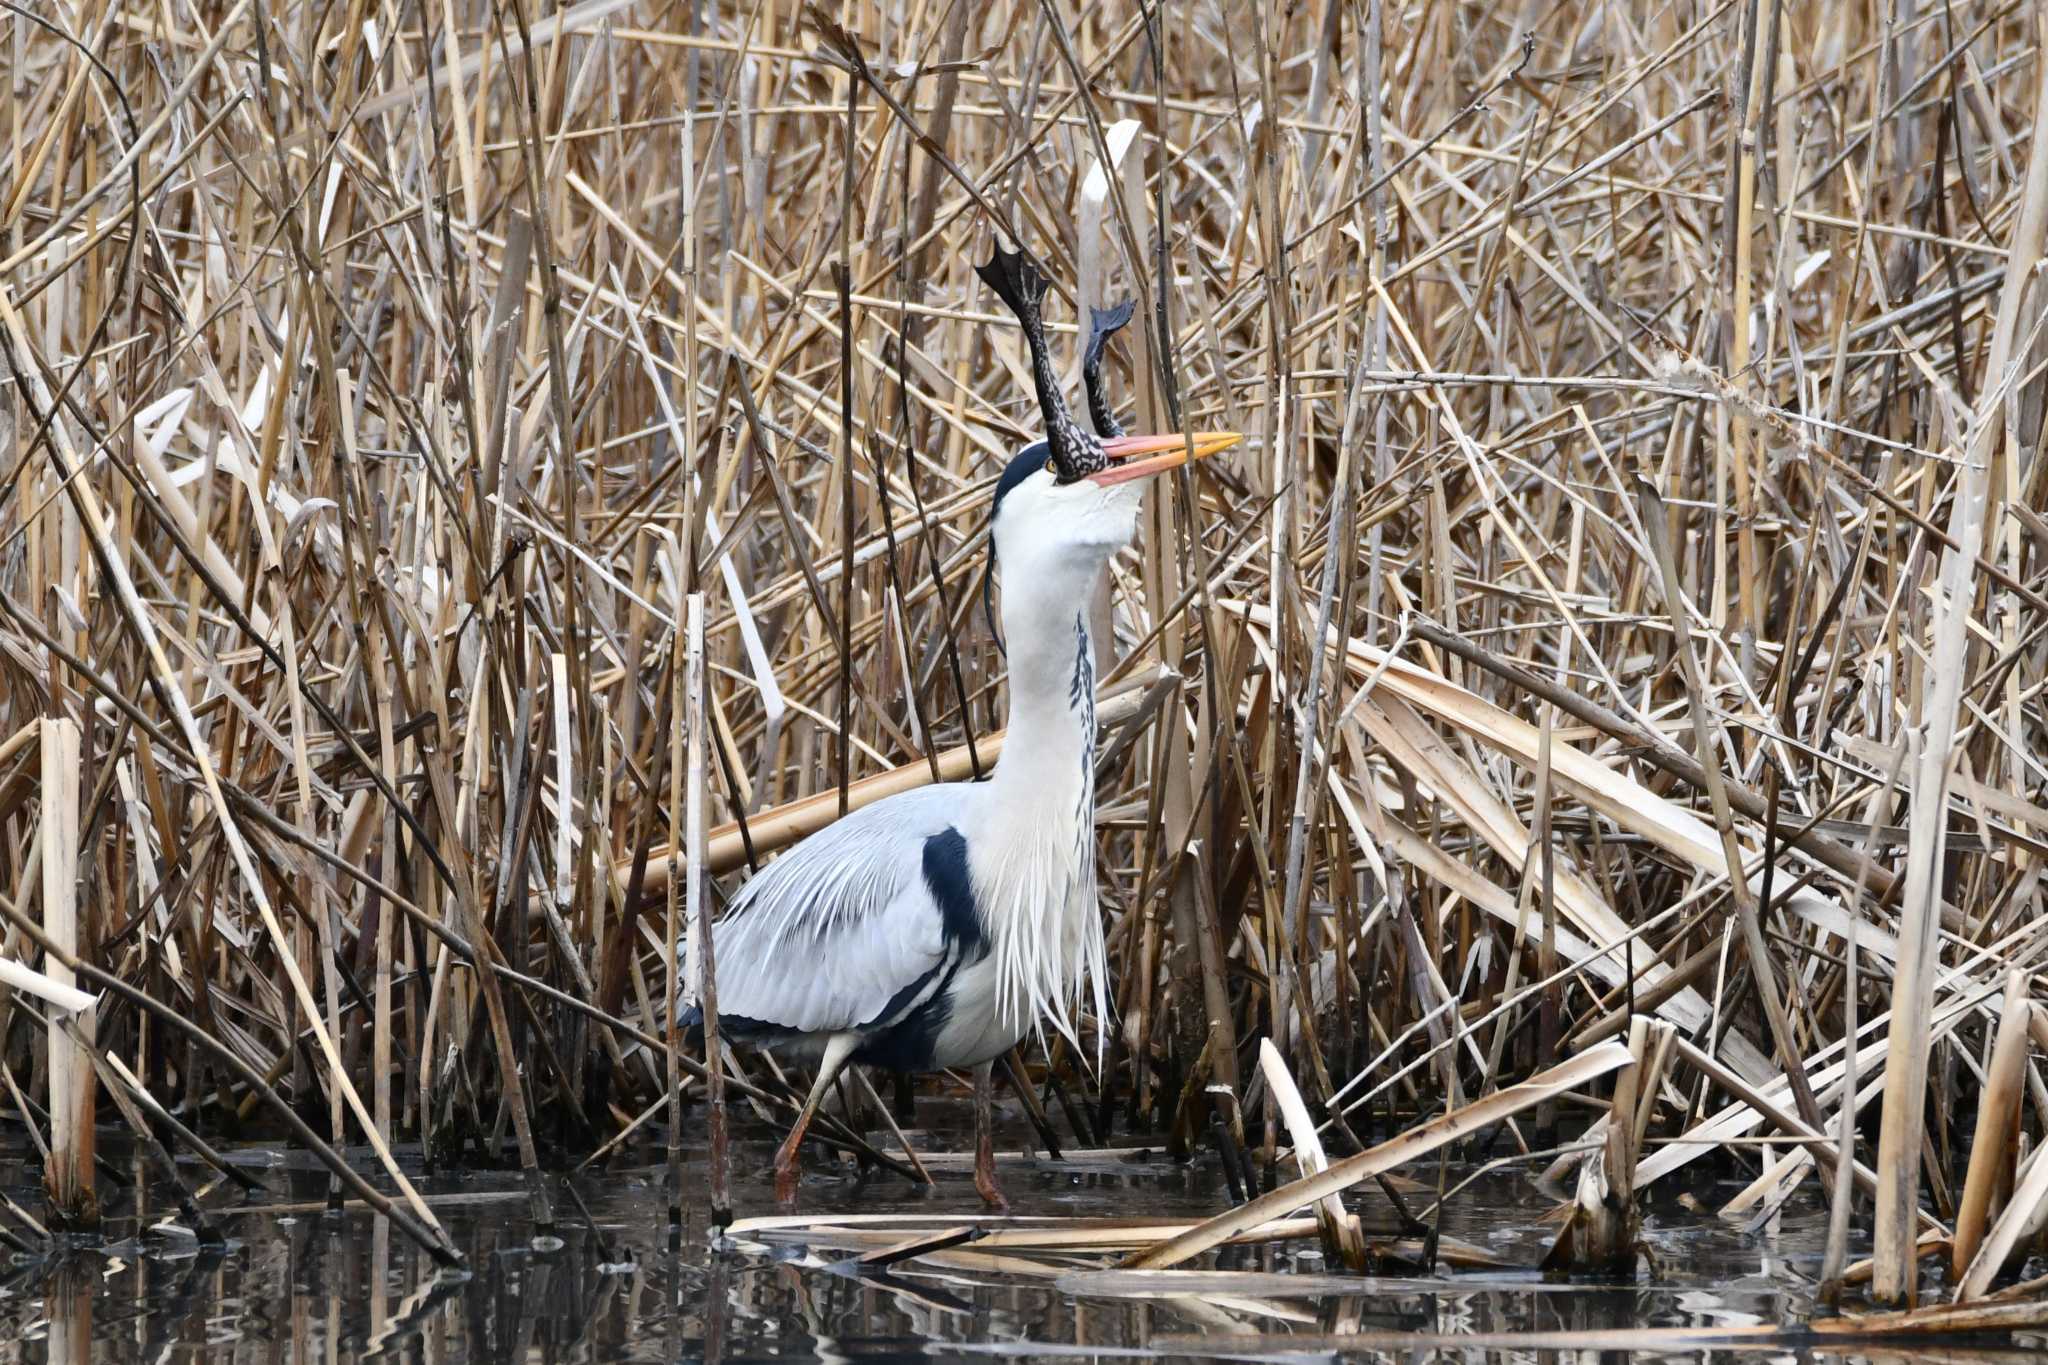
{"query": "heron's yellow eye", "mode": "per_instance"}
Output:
(1050, 466)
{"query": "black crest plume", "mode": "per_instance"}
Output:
(1103, 323)
(1075, 453)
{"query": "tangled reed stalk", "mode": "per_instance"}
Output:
(1644, 484)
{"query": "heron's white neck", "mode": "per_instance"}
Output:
(1046, 774)
(1036, 873)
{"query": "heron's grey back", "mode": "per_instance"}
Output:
(828, 936)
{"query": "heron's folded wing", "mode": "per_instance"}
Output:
(843, 930)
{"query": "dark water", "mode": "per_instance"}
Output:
(297, 1284)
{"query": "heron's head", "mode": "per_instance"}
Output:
(1045, 516)
(1071, 500)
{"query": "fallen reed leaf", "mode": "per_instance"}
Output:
(1417, 1142)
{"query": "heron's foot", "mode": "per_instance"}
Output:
(985, 1182)
(985, 1139)
(786, 1172)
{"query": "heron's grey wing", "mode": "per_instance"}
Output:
(846, 929)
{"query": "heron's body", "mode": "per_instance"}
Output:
(940, 927)
(952, 917)
(938, 995)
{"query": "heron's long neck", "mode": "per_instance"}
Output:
(1046, 778)
(1034, 863)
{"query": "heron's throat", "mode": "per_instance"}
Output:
(1047, 772)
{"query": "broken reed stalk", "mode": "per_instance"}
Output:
(699, 907)
(295, 532)
(1343, 1236)
(125, 1101)
(678, 929)
(1994, 1149)
(1836, 1254)
(2023, 1214)
(68, 1178)
(158, 1114)
(1604, 1227)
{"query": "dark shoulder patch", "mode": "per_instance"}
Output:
(1022, 466)
(945, 872)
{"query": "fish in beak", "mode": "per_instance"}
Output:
(1139, 457)
(1132, 457)
(1077, 454)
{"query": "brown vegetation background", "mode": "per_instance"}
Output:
(1643, 476)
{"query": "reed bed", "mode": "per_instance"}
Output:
(1631, 600)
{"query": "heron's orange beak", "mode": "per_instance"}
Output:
(1138, 457)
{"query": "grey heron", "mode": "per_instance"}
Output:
(936, 929)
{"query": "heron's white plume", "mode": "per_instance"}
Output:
(1046, 927)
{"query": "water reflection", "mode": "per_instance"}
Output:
(69, 1305)
(295, 1284)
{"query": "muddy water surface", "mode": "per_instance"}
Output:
(297, 1284)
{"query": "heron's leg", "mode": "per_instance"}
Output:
(837, 1051)
(985, 1138)
(904, 1102)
